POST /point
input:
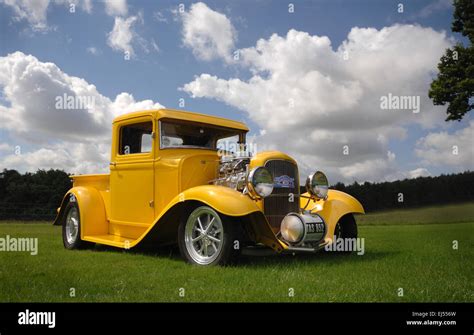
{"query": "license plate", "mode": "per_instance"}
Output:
(314, 227)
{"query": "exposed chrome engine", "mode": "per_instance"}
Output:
(233, 171)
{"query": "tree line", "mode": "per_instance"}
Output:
(36, 196)
(418, 192)
(32, 196)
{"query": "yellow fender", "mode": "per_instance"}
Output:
(332, 209)
(91, 210)
(228, 202)
(223, 199)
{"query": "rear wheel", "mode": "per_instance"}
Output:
(72, 227)
(207, 238)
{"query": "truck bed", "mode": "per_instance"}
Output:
(100, 181)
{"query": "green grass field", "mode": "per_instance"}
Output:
(411, 249)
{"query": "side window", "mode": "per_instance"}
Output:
(136, 138)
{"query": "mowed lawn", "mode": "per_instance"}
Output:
(410, 250)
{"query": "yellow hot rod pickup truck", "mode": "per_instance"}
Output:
(171, 182)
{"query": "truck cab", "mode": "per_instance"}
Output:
(157, 155)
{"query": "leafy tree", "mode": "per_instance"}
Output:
(455, 82)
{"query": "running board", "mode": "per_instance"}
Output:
(112, 240)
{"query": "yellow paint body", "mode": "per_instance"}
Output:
(121, 208)
(332, 209)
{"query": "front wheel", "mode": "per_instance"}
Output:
(207, 238)
(346, 229)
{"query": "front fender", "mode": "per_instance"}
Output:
(332, 209)
(91, 210)
(223, 199)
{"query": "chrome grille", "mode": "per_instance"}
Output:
(278, 204)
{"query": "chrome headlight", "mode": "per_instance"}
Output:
(292, 228)
(260, 182)
(317, 185)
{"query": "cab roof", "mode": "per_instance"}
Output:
(166, 113)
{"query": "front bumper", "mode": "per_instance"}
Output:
(291, 250)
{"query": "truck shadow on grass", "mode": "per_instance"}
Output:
(327, 258)
(263, 259)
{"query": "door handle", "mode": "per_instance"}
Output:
(113, 163)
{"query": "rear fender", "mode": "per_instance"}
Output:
(91, 210)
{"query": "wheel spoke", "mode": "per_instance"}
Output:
(197, 238)
(200, 223)
(205, 253)
(210, 225)
(201, 232)
(213, 239)
(74, 227)
(201, 248)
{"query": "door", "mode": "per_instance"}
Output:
(132, 177)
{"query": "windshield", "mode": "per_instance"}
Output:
(182, 134)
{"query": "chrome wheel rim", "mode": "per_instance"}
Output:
(204, 235)
(72, 225)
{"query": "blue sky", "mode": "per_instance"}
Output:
(158, 75)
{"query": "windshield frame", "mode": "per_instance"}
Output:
(241, 133)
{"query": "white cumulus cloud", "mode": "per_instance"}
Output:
(419, 172)
(116, 7)
(315, 101)
(35, 12)
(122, 35)
(209, 34)
(442, 148)
(75, 139)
